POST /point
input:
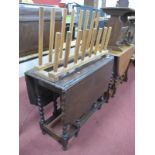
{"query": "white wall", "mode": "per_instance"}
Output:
(71, 1)
(109, 3)
(112, 3)
(132, 4)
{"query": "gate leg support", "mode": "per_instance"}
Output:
(114, 88)
(65, 137)
(78, 125)
(55, 113)
(41, 114)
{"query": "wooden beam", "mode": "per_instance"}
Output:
(68, 44)
(97, 20)
(91, 30)
(107, 38)
(98, 40)
(41, 33)
(92, 41)
(85, 28)
(57, 49)
(103, 38)
(80, 20)
(86, 19)
(77, 47)
(84, 40)
(51, 38)
(72, 21)
(63, 29)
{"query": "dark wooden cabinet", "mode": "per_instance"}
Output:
(28, 27)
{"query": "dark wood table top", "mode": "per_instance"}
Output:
(70, 80)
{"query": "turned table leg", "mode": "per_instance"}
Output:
(114, 88)
(126, 76)
(65, 137)
(107, 94)
(41, 114)
(55, 112)
(126, 73)
(78, 125)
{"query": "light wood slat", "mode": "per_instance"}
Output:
(103, 38)
(80, 20)
(97, 20)
(91, 29)
(84, 40)
(72, 21)
(107, 38)
(86, 19)
(41, 33)
(92, 41)
(57, 49)
(68, 45)
(98, 40)
(85, 27)
(63, 29)
(77, 47)
(51, 38)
